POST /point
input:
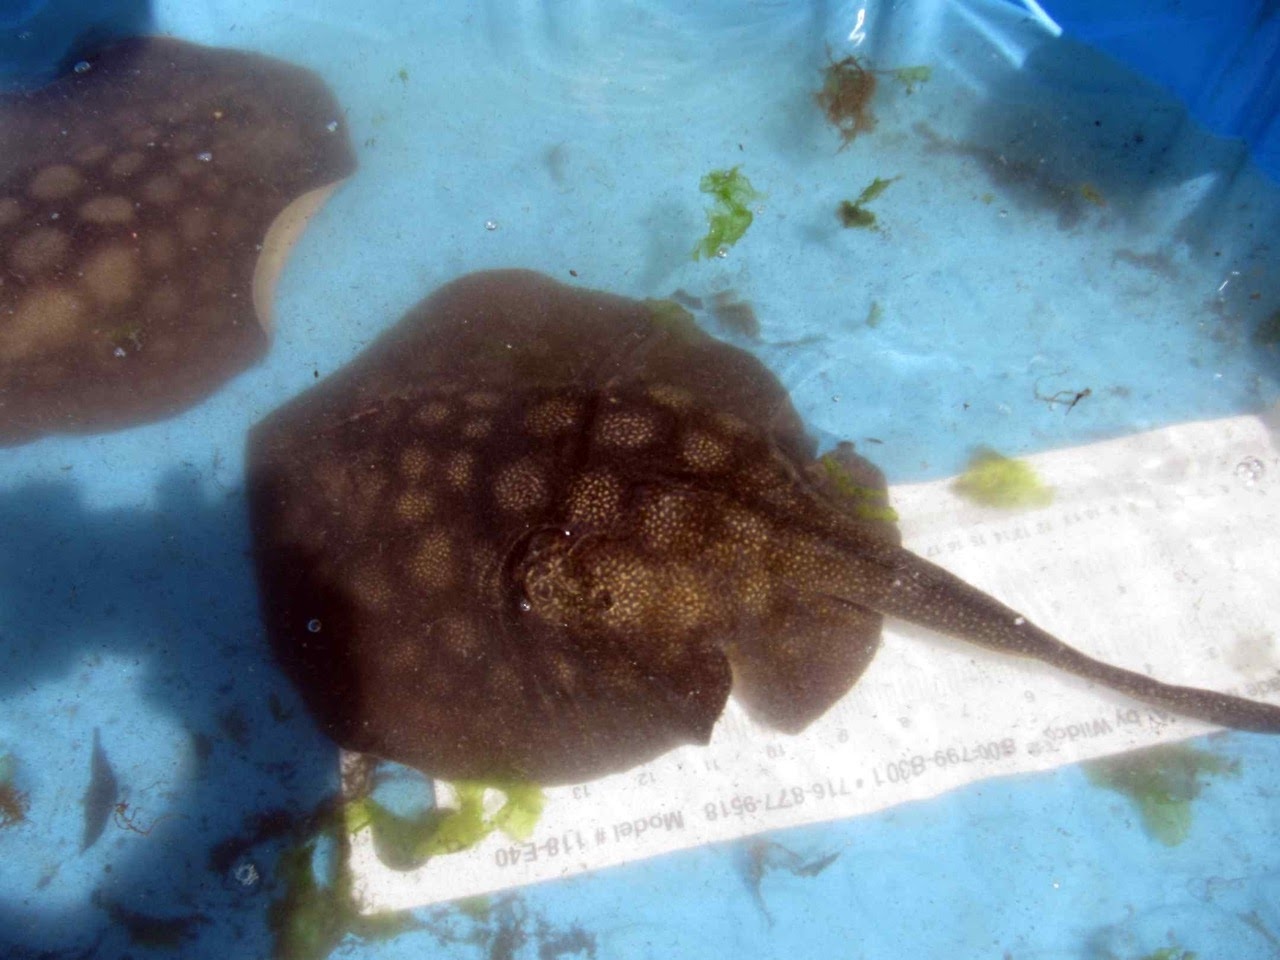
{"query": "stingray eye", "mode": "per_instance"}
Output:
(538, 588)
(543, 541)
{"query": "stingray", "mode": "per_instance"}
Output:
(540, 532)
(147, 202)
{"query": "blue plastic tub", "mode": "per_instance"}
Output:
(1084, 203)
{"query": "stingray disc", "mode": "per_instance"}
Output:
(416, 514)
(137, 196)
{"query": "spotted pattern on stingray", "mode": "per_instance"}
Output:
(147, 203)
(574, 589)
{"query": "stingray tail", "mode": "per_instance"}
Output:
(900, 584)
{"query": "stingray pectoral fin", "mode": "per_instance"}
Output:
(278, 243)
(911, 588)
(805, 656)
(616, 708)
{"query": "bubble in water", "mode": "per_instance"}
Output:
(525, 605)
(332, 126)
(204, 157)
(1250, 470)
(246, 874)
(722, 252)
(491, 224)
(82, 66)
(313, 626)
(1019, 621)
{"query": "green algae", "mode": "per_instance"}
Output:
(729, 216)
(853, 213)
(673, 318)
(520, 813)
(1162, 781)
(853, 216)
(912, 77)
(314, 915)
(876, 187)
(406, 841)
(864, 502)
(993, 480)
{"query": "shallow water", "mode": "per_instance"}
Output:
(1057, 226)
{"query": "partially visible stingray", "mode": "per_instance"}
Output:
(147, 203)
(539, 532)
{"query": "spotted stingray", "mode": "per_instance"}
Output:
(147, 202)
(541, 532)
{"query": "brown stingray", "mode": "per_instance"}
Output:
(539, 532)
(147, 201)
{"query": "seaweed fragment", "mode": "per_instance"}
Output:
(1162, 781)
(14, 803)
(853, 213)
(766, 856)
(730, 216)
(845, 97)
(912, 77)
(1066, 398)
(404, 842)
(316, 913)
(994, 480)
(864, 500)
(502, 928)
